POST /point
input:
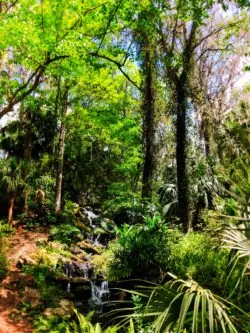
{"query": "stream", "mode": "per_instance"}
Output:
(83, 274)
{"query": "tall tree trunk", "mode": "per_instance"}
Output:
(27, 150)
(181, 159)
(57, 102)
(148, 123)
(61, 147)
(11, 208)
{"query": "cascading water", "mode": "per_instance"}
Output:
(98, 290)
(84, 270)
(91, 216)
(69, 272)
(99, 294)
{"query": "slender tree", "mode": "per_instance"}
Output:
(61, 148)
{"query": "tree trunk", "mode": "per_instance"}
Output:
(57, 102)
(148, 124)
(60, 159)
(11, 208)
(181, 140)
(27, 151)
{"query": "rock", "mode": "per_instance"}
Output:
(61, 277)
(82, 225)
(78, 258)
(83, 292)
(76, 249)
(90, 248)
(57, 246)
(65, 308)
(26, 280)
(31, 296)
(79, 280)
(25, 260)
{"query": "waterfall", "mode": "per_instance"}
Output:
(96, 241)
(90, 216)
(84, 270)
(69, 270)
(69, 273)
(99, 294)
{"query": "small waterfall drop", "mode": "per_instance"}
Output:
(90, 216)
(99, 294)
(69, 273)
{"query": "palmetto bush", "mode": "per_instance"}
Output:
(235, 238)
(184, 306)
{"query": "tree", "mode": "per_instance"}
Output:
(61, 147)
(13, 181)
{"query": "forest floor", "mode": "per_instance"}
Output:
(20, 246)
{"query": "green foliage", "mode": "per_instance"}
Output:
(50, 324)
(198, 256)
(3, 264)
(45, 281)
(11, 173)
(140, 250)
(236, 240)
(5, 229)
(51, 258)
(83, 325)
(65, 233)
(181, 306)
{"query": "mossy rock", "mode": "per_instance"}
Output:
(65, 308)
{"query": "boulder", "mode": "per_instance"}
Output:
(57, 246)
(83, 292)
(79, 280)
(25, 260)
(60, 277)
(90, 248)
(65, 308)
(32, 296)
(76, 249)
(26, 280)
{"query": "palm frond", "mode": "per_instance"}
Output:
(234, 239)
(191, 307)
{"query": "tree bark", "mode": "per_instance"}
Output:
(11, 208)
(27, 152)
(181, 158)
(148, 123)
(59, 177)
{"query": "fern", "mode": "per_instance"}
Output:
(83, 325)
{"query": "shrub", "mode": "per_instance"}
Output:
(65, 233)
(55, 324)
(195, 256)
(3, 265)
(140, 250)
(5, 229)
(184, 306)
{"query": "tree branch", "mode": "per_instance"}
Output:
(35, 77)
(108, 24)
(118, 64)
(214, 32)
